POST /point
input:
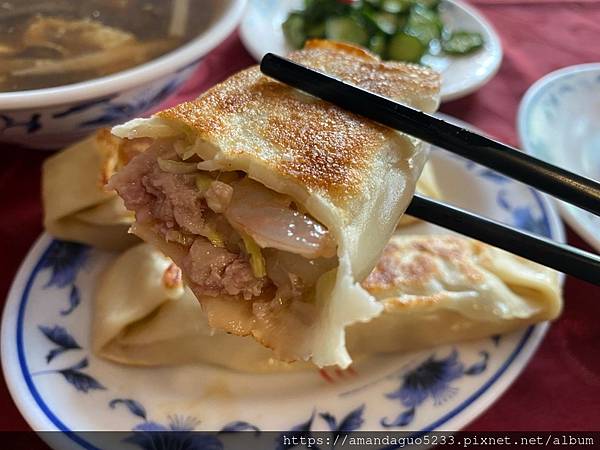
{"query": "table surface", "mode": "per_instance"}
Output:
(560, 388)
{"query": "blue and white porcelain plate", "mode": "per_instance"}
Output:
(261, 33)
(558, 122)
(59, 384)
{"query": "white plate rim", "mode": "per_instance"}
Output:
(566, 211)
(494, 43)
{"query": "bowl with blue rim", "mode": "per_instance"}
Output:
(44, 105)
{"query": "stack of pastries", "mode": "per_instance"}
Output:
(270, 218)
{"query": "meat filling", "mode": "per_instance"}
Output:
(216, 271)
(227, 224)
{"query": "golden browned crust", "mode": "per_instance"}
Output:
(411, 263)
(357, 66)
(300, 137)
(332, 156)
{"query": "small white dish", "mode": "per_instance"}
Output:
(54, 117)
(261, 33)
(59, 384)
(559, 122)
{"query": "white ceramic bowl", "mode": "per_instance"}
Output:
(53, 117)
(558, 122)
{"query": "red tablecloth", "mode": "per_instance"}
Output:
(560, 388)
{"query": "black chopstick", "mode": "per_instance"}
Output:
(566, 259)
(572, 188)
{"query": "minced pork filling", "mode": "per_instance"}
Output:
(241, 238)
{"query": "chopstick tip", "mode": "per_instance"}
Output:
(267, 59)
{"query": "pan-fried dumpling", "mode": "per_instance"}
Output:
(143, 315)
(93, 214)
(438, 289)
(274, 203)
(77, 205)
(434, 290)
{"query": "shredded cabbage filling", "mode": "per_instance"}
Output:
(240, 238)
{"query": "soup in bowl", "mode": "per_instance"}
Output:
(67, 68)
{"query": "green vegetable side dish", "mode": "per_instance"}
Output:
(461, 42)
(400, 30)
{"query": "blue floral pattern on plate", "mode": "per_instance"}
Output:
(431, 379)
(63, 340)
(177, 433)
(75, 377)
(65, 259)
